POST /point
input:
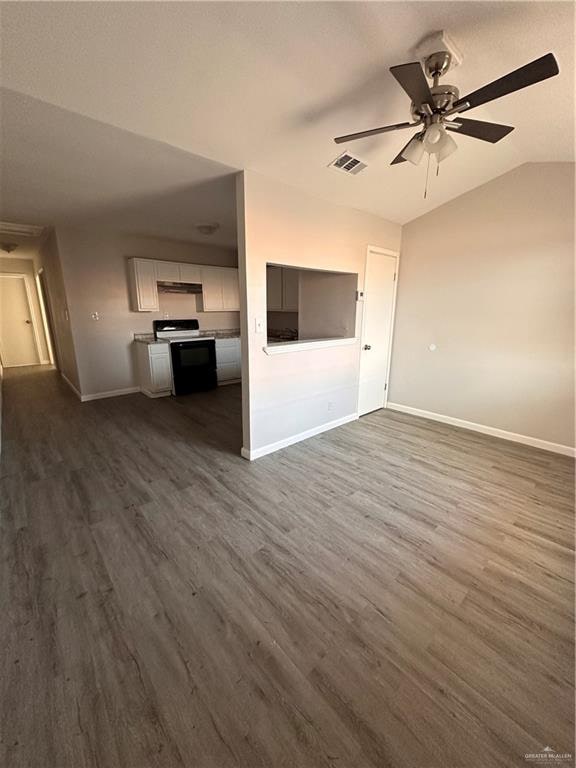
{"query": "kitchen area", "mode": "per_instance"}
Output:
(193, 344)
(196, 345)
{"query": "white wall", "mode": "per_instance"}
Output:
(95, 269)
(489, 279)
(285, 395)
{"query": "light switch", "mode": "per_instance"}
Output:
(258, 325)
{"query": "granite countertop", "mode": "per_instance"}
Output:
(229, 333)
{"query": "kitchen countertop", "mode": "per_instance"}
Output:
(231, 333)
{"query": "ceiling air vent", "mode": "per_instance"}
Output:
(348, 163)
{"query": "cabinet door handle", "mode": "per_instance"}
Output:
(367, 346)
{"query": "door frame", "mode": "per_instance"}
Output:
(22, 276)
(395, 255)
(47, 324)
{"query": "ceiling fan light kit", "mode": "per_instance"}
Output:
(414, 150)
(431, 106)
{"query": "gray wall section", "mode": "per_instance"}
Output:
(489, 279)
(327, 305)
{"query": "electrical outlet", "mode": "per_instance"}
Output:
(331, 405)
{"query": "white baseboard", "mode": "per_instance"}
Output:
(272, 447)
(535, 442)
(156, 394)
(72, 387)
(110, 393)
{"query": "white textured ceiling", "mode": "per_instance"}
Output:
(266, 86)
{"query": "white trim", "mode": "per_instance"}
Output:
(72, 387)
(383, 251)
(110, 393)
(394, 255)
(271, 447)
(514, 437)
(45, 325)
(302, 346)
(165, 393)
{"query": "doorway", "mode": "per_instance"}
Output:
(380, 281)
(19, 342)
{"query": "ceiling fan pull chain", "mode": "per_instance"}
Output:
(427, 171)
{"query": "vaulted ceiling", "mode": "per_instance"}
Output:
(266, 86)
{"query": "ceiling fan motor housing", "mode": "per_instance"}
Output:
(443, 95)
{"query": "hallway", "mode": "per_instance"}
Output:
(395, 592)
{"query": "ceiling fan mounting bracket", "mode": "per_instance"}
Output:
(437, 64)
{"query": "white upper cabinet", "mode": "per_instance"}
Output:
(290, 289)
(167, 271)
(282, 289)
(274, 288)
(220, 290)
(143, 285)
(212, 289)
(190, 273)
(230, 290)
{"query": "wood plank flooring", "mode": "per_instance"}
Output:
(395, 593)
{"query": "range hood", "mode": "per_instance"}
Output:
(168, 287)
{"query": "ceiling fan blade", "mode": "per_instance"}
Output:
(412, 78)
(540, 69)
(372, 132)
(399, 158)
(478, 129)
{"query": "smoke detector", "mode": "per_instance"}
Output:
(208, 229)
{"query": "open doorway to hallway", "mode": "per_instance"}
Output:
(25, 337)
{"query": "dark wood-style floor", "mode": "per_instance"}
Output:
(392, 593)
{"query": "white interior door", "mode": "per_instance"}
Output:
(17, 339)
(377, 324)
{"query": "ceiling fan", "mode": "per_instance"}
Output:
(432, 106)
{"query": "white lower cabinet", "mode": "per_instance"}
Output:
(154, 365)
(154, 369)
(228, 360)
